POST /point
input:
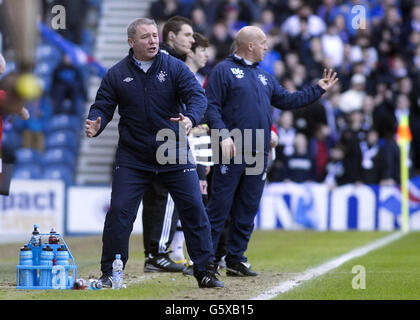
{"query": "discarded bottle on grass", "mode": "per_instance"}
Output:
(94, 284)
(117, 272)
(79, 284)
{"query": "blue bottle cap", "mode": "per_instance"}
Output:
(117, 256)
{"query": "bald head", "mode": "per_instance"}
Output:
(2, 64)
(251, 43)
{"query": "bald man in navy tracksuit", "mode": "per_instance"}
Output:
(239, 96)
(147, 86)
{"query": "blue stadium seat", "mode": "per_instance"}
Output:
(58, 172)
(27, 156)
(63, 121)
(56, 156)
(12, 138)
(62, 139)
(27, 171)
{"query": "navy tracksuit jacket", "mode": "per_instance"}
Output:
(240, 97)
(146, 102)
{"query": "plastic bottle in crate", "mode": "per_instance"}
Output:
(117, 272)
(53, 238)
(26, 276)
(47, 256)
(60, 277)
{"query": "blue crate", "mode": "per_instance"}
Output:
(70, 270)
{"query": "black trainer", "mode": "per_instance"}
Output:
(161, 263)
(207, 279)
(106, 281)
(240, 269)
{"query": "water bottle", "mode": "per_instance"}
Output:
(117, 272)
(53, 238)
(79, 284)
(47, 256)
(36, 238)
(60, 276)
(35, 243)
(26, 276)
(94, 284)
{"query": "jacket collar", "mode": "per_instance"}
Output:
(242, 61)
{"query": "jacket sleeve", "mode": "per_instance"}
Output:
(216, 90)
(105, 103)
(283, 99)
(191, 93)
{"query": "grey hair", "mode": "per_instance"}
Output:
(131, 29)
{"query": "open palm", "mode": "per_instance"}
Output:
(328, 79)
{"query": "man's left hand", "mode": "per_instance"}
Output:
(328, 79)
(185, 121)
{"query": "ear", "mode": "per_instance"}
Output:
(250, 46)
(130, 42)
(171, 35)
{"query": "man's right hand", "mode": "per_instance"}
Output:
(92, 127)
(228, 148)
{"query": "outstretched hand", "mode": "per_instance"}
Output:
(184, 121)
(328, 79)
(92, 127)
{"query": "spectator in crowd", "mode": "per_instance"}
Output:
(272, 58)
(198, 18)
(335, 174)
(222, 40)
(377, 59)
(333, 45)
(315, 25)
(372, 162)
(352, 99)
(319, 146)
(67, 83)
(300, 166)
(163, 10)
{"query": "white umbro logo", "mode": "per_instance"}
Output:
(128, 79)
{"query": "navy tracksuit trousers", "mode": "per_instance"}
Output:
(236, 193)
(128, 187)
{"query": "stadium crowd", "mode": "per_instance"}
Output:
(46, 145)
(349, 136)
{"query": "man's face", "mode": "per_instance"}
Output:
(145, 42)
(260, 46)
(200, 56)
(183, 41)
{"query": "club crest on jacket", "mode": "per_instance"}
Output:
(263, 79)
(161, 76)
(239, 73)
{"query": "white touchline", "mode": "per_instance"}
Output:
(325, 267)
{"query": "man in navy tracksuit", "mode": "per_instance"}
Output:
(239, 96)
(147, 86)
